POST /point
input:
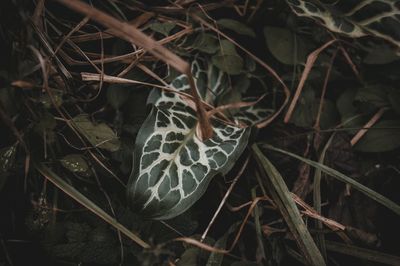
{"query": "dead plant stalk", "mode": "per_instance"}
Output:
(130, 33)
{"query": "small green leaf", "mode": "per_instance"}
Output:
(163, 28)
(304, 113)
(373, 94)
(207, 43)
(76, 163)
(345, 104)
(99, 135)
(215, 259)
(307, 109)
(231, 64)
(227, 59)
(383, 136)
(56, 96)
(284, 45)
(236, 26)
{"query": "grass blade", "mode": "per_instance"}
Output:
(283, 199)
(339, 176)
(87, 203)
(363, 253)
(317, 196)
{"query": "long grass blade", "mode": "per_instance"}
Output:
(317, 196)
(283, 199)
(336, 174)
(87, 203)
(363, 253)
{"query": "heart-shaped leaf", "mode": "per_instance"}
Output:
(172, 166)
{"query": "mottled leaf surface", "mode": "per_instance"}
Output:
(354, 18)
(172, 166)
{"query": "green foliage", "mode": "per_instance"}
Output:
(163, 28)
(285, 46)
(236, 26)
(346, 19)
(227, 59)
(99, 135)
(383, 136)
(76, 163)
(206, 43)
(69, 145)
(173, 166)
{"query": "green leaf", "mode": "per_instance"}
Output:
(215, 258)
(236, 26)
(341, 177)
(286, 205)
(349, 112)
(99, 135)
(172, 166)
(353, 18)
(253, 114)
(383, 136)
(57, 97)
(345, 104)
(76, 163)
(163, 28)
(231, 64)
(304, 113)
(227, 59)
(207, 43)
(284, 45)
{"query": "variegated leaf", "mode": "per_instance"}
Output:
(253, 114)
(354, 18)
(172, 166)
